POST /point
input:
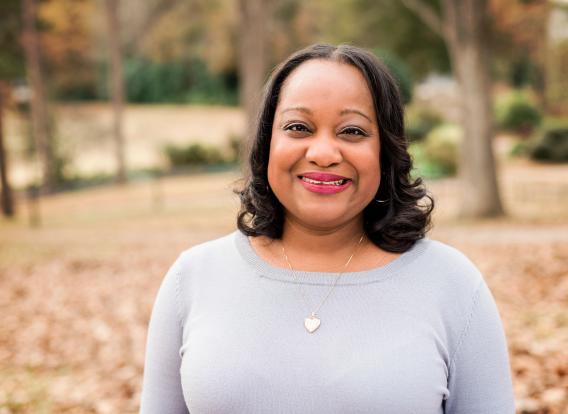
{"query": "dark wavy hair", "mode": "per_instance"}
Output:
(393, 226)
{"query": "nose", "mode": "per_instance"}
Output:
(323, 150)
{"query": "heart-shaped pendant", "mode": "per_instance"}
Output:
(312, 323)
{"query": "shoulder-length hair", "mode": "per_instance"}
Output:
(394, 225)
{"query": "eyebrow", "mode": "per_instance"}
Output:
(298, 108)
(354, 111)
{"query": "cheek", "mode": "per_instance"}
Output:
(368, 166)
(271, 174)
(284, 155)
(280, 162)
(372, 180)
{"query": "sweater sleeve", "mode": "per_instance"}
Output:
(162, 391)
(479, 373)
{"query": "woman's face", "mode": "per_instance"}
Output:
(324, 154)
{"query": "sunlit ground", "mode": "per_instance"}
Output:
(76, 293)
(86, 141)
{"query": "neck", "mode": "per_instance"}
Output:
(307, 247)
(322, 250)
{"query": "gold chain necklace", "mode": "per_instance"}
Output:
(312, 323)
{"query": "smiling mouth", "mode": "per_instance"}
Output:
(339, 182)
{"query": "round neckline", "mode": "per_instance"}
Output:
(320, 278)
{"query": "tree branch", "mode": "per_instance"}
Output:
(162, 8)
(153, 17)
(427, 15)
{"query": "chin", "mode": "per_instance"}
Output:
(323, 215)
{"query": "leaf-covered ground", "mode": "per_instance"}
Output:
(76, 294)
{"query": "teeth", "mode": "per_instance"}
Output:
(340, 182)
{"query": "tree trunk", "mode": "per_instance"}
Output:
(556, 67)
(467, 26)
(37, 101)
(252, 52)
(6, 200)
(116, 86)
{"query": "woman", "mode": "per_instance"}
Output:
(266, 321)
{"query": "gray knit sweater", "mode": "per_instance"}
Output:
(421, 334)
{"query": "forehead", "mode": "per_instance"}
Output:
(324, 81)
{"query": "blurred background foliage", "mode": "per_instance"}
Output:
(186, 52)
(171, 56)
(11, 52)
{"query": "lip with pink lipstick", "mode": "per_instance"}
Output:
(324, 183)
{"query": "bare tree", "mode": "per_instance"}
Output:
(254, 16)
(37, 102)
(116, 85)
(6, 200)
(556, 61)
(465, 27)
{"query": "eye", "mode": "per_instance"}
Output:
(296, 128)
(353, 131)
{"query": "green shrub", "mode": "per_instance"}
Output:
(194, 154)
(524, 72)
(147, 81)
(520, 148)
(420, 121)
(517, 114)
(441, 147)
(183, 81)
(235, 142)
(423, 166)
(553, 147)
(213, 156)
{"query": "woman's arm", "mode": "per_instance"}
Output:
(480, 374)
(161, 391)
